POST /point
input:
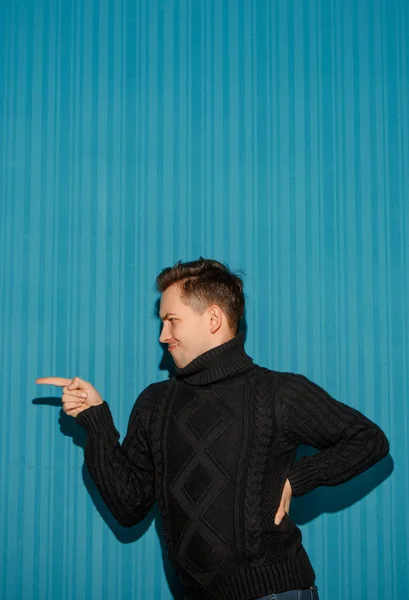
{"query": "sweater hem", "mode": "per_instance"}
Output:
(250, 582)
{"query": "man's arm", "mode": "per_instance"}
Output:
(124, 474)
(347, 441)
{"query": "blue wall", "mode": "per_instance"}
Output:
(273, 135)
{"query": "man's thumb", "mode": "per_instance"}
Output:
(77, 384)
(279, 515)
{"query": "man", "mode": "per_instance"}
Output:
(215, 447)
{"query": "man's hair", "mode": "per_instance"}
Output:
(205, 282)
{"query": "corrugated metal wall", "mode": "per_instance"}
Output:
(273, 135)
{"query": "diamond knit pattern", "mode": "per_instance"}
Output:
(199, 483)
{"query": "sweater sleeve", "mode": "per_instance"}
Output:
(347, 441)
(124, 474)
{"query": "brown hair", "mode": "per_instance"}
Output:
(204, 282)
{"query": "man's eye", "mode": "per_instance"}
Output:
(172, 320)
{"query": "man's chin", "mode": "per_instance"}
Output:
(182, 360)
(177, 362)
(180, 363)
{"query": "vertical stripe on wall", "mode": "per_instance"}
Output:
(273, 135)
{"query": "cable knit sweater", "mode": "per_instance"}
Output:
(213, 447)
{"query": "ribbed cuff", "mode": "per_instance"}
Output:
(97, 420)
(302, 479)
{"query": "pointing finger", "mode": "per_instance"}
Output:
(58, 381)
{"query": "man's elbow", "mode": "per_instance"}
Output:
(125, 522)
(384, 444)
(380, 446)
(130, 519)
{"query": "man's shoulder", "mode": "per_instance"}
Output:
(265, 375)
(150, 396)
(158, 387)
(271, 376)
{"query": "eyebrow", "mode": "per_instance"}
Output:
(167, 316)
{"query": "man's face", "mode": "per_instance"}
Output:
(185, 331)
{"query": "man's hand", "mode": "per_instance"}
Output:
(284, 503)
(78, 395)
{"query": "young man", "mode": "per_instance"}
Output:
(215, 447)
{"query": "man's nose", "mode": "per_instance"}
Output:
(164, 334)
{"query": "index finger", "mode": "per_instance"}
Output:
(58, 381)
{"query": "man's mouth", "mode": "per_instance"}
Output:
(172, 347)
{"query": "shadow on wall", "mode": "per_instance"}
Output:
(334, 499)
(125, 535)
(128, 535)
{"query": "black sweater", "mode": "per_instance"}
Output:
(213, 447)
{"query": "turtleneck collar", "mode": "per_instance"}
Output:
(216, 364)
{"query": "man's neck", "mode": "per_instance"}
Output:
(216, 364)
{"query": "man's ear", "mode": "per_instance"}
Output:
(215, 318)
